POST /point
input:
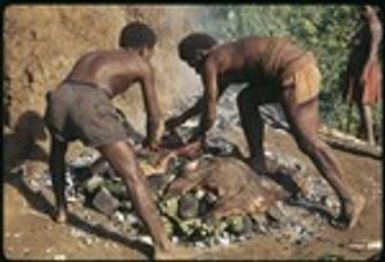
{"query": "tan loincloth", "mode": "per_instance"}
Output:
(305, 81)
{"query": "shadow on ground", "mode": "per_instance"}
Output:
(40, 203)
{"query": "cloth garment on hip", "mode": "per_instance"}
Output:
(83, 111)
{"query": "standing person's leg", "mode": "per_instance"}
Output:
(253, 127)
(366, 123)
(304, 122)
(123, 160)
(57, 171)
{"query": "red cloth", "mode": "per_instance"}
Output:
(364, 87)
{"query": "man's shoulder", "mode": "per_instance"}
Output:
(110, 54)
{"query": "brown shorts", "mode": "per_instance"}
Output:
(82, 111)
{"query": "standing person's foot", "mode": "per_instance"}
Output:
(258, 167)
(174, 253)
(60, 216)
(353, 210)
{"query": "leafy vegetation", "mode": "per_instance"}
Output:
(326, 30)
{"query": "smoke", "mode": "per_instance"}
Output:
(176, 83)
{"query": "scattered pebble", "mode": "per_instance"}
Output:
(60, 257)
(224, 241)
(26, 250)
(88, 241)
(175, 240)
(146, 239)
(119, 216)
(199, 244)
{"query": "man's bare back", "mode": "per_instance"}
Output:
(113, 71)
(251, 59)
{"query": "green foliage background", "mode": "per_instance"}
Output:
(326, 30)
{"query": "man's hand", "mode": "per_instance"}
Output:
(155, 133)
(365, 74)
(174, 122)
(159, 132)
(171, 140)
(190, 149)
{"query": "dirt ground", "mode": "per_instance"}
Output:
(29, 232)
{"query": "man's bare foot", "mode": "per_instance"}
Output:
(174, 252)
(60, 216)
(258, 168)
(359, 203)
(352, 212)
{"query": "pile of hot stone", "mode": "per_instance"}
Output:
(96, 186)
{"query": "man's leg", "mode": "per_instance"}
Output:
(366, 123)
(253, 127)
(121, 157)
(57, 171)
(303, 120)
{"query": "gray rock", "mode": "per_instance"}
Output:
(132, 219)
(199, 244)
(119, 216)
(247, 229)
(126, 206)
(157, 183)
(235, 225)
(93, 184)
(224, 241)
(105, 202)
(206, 203)
(220, 146)
(276, 213)
(100, 167)
(117, 189)
(146, 239)
(188, 206)
(260, 224)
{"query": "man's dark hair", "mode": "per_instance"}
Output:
(193, 42)
(137, 35)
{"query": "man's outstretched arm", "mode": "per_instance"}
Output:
(155, 124)
(375, 28)
(210, 97)
(194, 110)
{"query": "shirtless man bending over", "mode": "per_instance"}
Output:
(277, 71)
(80, 108)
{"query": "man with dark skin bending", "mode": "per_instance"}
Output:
(277, 71)
(80, 108)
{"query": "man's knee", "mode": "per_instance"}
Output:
(310, 145)
(122, 158)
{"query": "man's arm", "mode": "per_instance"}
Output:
(210, 96)
(375, 28)
(57, 171)
(194, 110)
(155, 125)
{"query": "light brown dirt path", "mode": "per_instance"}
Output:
(29, 233)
